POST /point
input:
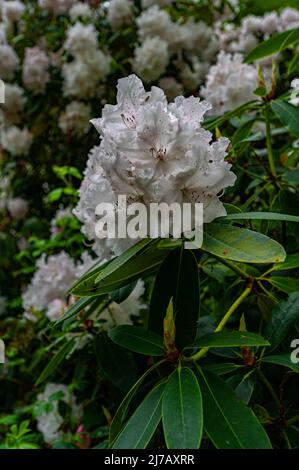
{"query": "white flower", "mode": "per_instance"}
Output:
(155, 22)
(80, 39)
(193, 72)
(171, 87)
(52, 280)
(229, 83)
(17, 208)
(152, 151)
(289, 18)
(35, 69)
(12, 10)
(80, 10)
(120, 13)
(8, 61)
(3, 31)
(49, 422)
(56, 309)
(151, 59)
(83, 75)
(295, 92)
(75, 118)
(16, 141)
(14, 100)
(57, 7)
(121, 314)
(200, 39)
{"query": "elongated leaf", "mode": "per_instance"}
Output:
(178, 278)
(223, 368)
(182, 413)
(211, 123)
(240, 244)
(123, 293)
(291, 262)
(137, 339)
(118, 365)
(282, 360)
(262, 216)
(284, 315)
(242, 133)
(286, 284)
(230, 339)
(55, 361)
(147, 262)
(288, 115)
(121, 260)
(141, 426)
(276, 43)
(75, 309)
(228, 422)
(122, 410)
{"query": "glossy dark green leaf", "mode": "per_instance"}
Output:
(141, 426)
(230, 339)
(223, 367)
(182, 413)
(291, 262)
(285, 284)
(75, 309)
(282, 360)
(228, 422)
(241, 133)
(117, 364)
(240, 244)
(122, 410)
(55, 361)
(123, 293)
(288, 115)
(137, 339)
(276, 43)
(262, 216)
(284, 315)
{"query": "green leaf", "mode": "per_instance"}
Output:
(123, 293)
(182, 413)
(291, 262)
(288, 115)
(242, 133)
(284, 315)
(122, 272)
(122, 410)
(282, 360)
(55, 361)
(262, 216)
(141, 426)
(137, 339)
(276, 43)
(294, 64)
(178, 278)
(285, 284)
(74, 309)
(228, 422)
(230, 339)
(240, 244)
(117, 364)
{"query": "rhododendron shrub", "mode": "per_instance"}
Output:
(146, 342)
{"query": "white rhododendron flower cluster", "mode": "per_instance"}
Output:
(14, 102)
(12, 10)
(161, 39)
(17, 208)
(120, 13)
(80, 10)
(53, 278)
(15, 140)
(8, 61)
(89, 66)
(75, 118)
(152, 151)
(35, 69)
(50, 421)
(229, 83)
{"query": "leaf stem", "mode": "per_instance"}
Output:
(269, 144)
(224, 320)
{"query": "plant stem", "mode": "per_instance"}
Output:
(269, 145)
(224, 320)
